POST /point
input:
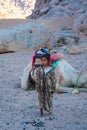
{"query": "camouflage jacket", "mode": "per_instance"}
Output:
(45, 82)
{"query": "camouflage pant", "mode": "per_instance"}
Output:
(46, 101)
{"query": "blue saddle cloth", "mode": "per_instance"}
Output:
(55, 64)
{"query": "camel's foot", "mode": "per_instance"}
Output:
(75, 91)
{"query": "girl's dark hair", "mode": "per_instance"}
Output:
(47, 56)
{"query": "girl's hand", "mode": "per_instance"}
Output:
(38, 90)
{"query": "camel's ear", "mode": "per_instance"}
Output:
(40, 46)
(48, 46)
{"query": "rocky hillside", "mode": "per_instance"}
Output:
(58, 8)
(16, 8)
(65, 18)
(41, 8)
(64, 11)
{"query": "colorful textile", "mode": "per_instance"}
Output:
(55, 56)
(34, 57)
(55, 64)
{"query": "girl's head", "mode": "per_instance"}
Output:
(45, 60)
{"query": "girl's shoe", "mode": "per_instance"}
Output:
(41, 112)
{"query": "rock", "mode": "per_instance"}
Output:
(67, 38)
(57, 12)
(80, 25)
(51, 9)
(44, 11)
(25, 8)
(16, 8)
(23, 36)
(3, 15)
(55, 2)
(77, 49)
(41, 3)
(81, 11)
(40, 9)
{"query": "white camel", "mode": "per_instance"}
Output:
(68, 79)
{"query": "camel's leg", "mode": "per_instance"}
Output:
(63, 90)
(25, 77)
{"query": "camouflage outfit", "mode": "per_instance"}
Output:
(45, 85)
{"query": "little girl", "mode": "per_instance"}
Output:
(45, 84)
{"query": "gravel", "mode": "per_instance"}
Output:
(19, 109)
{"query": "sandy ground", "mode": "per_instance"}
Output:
(50, 24)
(13, 22)
(19, 109)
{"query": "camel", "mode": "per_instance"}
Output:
(68, 79)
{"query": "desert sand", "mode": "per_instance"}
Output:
(19, 109)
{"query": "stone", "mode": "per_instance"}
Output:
(57, 12)
(16, 8)
(55, 2)
(44, 11)
(80, 24)
(67, 38)
(23, 37)
(77, 49)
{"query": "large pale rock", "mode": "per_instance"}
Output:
(23, 37)
(16, 8)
